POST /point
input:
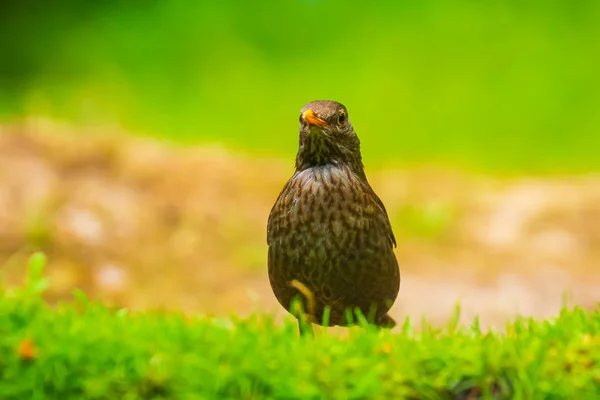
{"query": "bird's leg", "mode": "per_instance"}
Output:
(304, 321)
(305, 328)
(305, 317)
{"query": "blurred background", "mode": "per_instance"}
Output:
(142, 145)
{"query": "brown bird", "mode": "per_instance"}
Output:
(330, 239)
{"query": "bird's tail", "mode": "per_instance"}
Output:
(386, 322)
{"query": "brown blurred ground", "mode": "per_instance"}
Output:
(145, 224)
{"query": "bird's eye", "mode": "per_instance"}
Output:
(342, 118)
(300, 118)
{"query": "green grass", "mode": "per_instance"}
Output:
(86, 350)
(508, 85)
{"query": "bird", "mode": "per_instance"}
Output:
(330, 240)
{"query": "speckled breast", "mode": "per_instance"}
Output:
(328, 231)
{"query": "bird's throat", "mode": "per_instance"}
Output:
(318, 151)
(314, 150)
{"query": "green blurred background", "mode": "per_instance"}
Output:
(506, 85)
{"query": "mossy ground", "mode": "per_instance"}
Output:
(82, 349)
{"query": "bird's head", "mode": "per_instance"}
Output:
(327, 136)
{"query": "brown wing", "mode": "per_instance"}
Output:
(380, 204)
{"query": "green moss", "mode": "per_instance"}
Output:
(86, 350)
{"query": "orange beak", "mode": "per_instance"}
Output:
(311, 119)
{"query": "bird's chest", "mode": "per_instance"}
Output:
(322, 209)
